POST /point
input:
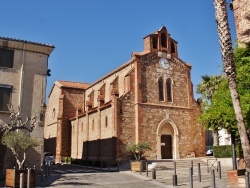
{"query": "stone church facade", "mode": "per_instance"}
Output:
(149, 98)
(64, 101)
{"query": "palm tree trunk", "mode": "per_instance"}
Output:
(229, 68)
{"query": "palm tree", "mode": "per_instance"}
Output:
(229, 68)
(207, 88)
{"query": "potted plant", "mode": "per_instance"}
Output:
(19, 142)
(138, 150)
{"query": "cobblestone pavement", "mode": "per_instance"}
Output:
(111, 179)
(77, 176)
(165, 177)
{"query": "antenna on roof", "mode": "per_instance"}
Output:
(162, 24)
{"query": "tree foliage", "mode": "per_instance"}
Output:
(19, 143)
(138, 149)
(220, 112)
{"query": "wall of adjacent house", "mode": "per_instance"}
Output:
(29, 94)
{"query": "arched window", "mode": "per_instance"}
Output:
(164, 40)
(160, 89)
(155, 43)
(172, 47)
(169, 90)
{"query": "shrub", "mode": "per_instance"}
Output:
(222, 151)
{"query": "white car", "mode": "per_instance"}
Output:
(48, 158)
(209, 152)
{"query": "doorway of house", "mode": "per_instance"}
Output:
(166, 147)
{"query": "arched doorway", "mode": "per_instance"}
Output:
(167, 140)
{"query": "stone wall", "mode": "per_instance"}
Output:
(151, 72)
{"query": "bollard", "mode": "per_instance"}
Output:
(219, 169)
(199, 172)
(213, 178)
(109, 165)
(174, 168)
(192, 165)
(118, 166)
(190, 177)
(247, 179)
(140, 166)
(153, 174)
(41, 169)
(147, 168)
(175, 176)
(175, 180)
(28, 178)
(14, 177)
(21, 180)
(49, 169)
(46, 170)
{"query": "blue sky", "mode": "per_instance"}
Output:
(93, 37)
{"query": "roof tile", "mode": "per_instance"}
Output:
(69, 84)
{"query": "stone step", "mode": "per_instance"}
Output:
(180, 163)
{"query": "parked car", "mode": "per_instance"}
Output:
(48, 158)
(209, 152)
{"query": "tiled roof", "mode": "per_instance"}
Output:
(25, 41)
(69, 84)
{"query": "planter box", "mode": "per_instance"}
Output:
(135, 166)
(232, 175)
(13, 178)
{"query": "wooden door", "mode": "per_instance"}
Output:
(166, 147)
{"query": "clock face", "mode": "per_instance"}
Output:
(164, 63)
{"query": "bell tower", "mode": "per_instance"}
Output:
(160, 41)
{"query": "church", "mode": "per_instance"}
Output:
(147, 99)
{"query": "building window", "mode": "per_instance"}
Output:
(164, 40)
(155, 43)
(106, 121)
(93, 125)
(82, 127)
(6, 58)
(172, 47)
(54, 113)
(160, 89)
(169, 90)
(5, 97)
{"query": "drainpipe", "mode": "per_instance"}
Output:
(21, 79)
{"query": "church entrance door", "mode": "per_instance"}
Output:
(166, 147)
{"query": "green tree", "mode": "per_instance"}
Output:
(207, 87)
(19, 143)
(219, 114)
(229, 68)
(138, 149)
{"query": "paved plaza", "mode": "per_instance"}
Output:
(78, 176)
